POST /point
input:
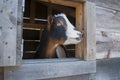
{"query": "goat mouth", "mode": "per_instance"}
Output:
(78, 38)
(72, 41)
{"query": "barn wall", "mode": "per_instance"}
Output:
(108, 28)
(108, 39)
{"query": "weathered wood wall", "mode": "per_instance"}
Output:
(8, 25)
(10, 32)
(108, 69)
(77, 77)
(108, 39)
(107, 28)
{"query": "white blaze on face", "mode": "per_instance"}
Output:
(73, 36)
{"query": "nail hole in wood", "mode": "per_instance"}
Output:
(9, 57)
(1, 11)
(6, 43)
(11, 28)
(0, 27)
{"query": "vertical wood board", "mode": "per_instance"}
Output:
(79, 24)
(10, 32)
(89, 31)
(8, 28)
(19, 47)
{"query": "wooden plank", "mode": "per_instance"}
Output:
(108, 44)
(79, 25)
(107, 55)
(107, 30)
(78, 0)
(8, 30)
(78, 77)
(107, 19)
(110, 4)
(108, 69)
(107, 33)
(62, 2)
(47, 69)
(34, 61)
(89, 31)
(108, 50)
(67, 10)
(30, 25)
(107, 36)
(19, 47)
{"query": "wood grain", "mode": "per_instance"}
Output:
(8, 30)
(89, 31)
(44, 69)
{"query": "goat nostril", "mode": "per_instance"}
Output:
(80, 35)
(78, 38)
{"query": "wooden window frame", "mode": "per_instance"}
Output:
(52, 68)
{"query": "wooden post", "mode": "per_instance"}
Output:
(89, 31)
(19, 47)
(8, 32)
(79, 23)
(85, 22)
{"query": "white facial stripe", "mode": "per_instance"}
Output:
(66, 19)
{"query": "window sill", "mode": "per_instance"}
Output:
(50, 68)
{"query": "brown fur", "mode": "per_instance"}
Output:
(51, 44)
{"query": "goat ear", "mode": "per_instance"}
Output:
(49, 21)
